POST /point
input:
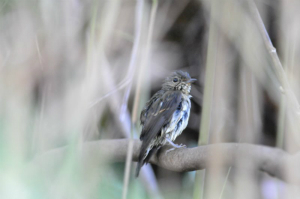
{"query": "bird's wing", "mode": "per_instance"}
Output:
(159, 114)
(143, 116)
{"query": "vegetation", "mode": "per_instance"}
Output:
(74, 76)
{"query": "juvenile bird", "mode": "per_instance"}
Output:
(165, 115)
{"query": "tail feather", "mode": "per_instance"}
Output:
(142, 159)
(151, 152)
(138, 168)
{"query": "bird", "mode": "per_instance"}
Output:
(165, 116)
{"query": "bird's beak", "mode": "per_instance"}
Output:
(192, 80)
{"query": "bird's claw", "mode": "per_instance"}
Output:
(175, 147)
(179, 146)
(182, 146)
(169, 150)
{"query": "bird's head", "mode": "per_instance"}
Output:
(179, 80)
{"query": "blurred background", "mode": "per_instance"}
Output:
(76, 71)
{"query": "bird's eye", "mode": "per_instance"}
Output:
(175, 80)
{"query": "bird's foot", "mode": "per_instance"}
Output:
(175, 146)
(169, 150)
(181, 146)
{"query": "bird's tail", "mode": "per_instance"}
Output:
(140, 163)
(144, 159)
(138, 168)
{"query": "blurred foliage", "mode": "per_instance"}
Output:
(64, 74)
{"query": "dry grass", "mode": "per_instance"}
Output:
(74, 71)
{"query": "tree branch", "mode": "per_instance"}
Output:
(273, 161)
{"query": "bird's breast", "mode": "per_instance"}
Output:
(179, 120)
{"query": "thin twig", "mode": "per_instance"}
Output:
(132, 65)
(143, 65)
(225, 182)
(285, 88)
(207, 100)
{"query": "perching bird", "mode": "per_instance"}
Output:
(165, 115)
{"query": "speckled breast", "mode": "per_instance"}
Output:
(179, 120)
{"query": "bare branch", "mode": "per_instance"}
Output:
(273, 161)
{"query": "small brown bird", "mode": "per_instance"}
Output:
(165, 115)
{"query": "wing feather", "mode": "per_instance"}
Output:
(158, 113)
(154, 117)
